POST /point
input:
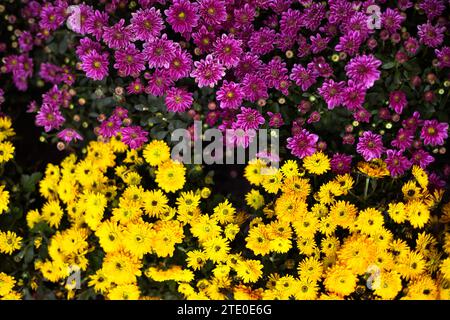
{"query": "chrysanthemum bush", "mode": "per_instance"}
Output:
(135, 224)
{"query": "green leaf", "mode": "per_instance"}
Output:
(29, 182)
(388, 65)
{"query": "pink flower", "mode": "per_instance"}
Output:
(303, 144)
(95, 65)
(146, 24)
(134, 136)
(363, 70)
(182, 16)
(228, 50)
(230, 95)
(129, 61)
(208, 72)
(178, 100)
(434, 133)
(397, 101)
(68, 135)
(370, 146)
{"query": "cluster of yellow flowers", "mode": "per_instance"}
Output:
(390, 250)
(9, 241)
(128, 221)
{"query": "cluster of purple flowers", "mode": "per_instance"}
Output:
(253, 53)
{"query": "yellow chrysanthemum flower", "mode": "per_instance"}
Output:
(156, 152)
(6, 151)
(170, 176)
(317, 163)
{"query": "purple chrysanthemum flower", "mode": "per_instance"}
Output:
(95, 24)
(52, 16)
(289, 22)
(340, 10)
(349, 43)
(213, 12)
(11, 63)
(403, 140)
(77, 17)
(159, 52)
(363, 70)
(180, 65)
(280, 6)
(357, 22)
(53, 97)
(353, 95)
(239, 137)
(228, 50)
(68, 135)
(254, 88)
(396, 163)
(135, 87)
(95, 65)
(178, 100)
(432, 8)
(275, 71)
(321, 67)
(411, 45)
(412, 122)
(248, 64)
(430, 35)
(435, 182)
(443, 56)
(134, 136)
(120, 113)
(49, 117)
(244, 15)
(158, 83)
(391, 20)
(397, 101)
(129, 61)
(434, 133)
(26, 41)
(313, 15)
(341, 163)
(146, 24)
(50, 73)
(304, 48)
(208, 72)
(109, 128)
(404, 4)
(302, 144)
(361, 114)
(230, 95)
(86, 46)
(284, 41)
(276, 119)
(303, 77)
(182, 16)
(422, 158)
(262, 41)
(204, 39)
(318, 43)
(249, 119)
(370, 146)
(331, 92)
(117, 36)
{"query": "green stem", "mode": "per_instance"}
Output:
(366, 188)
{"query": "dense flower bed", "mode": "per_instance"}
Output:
(356, 92)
